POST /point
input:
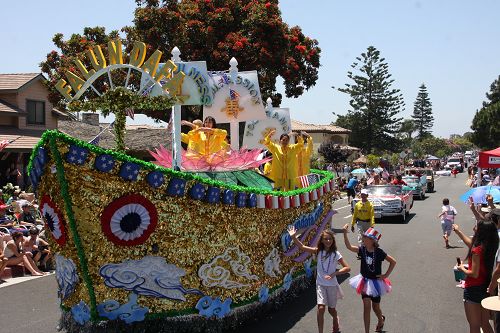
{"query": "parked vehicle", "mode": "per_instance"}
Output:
(417, 185)
(389, 200)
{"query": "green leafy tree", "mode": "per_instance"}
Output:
(462, 143)
(406, 131)
(372, 160)
(375, 104)
(333, 153)
(486, 127)
(494, 95)
(430, 146)
(422, 113)
(252, 31)
(58, 62)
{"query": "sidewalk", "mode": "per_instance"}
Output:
(16, 280)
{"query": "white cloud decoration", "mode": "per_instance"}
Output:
(214, 274)
(272, 263)
(149, 276)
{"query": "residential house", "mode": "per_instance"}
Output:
(324, 133)
(25, 113)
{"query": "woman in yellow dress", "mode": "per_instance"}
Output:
(304, 157)
(205, 139)
(284, 166)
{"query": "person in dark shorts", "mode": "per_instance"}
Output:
(351, 188)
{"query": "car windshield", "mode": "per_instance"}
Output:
(412, 181)
(384, 190)
(454, 160)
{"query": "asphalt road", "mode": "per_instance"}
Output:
(424, 297)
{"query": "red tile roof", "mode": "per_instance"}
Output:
(299, 126)
(17, 80)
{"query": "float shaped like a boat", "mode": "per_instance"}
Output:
(143, 247)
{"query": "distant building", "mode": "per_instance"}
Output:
(25, 112)
(324, 133)
(138, 138)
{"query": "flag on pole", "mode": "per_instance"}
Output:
(95, 141)
(224, 79)
(4, 143)
(233, 94)
(308, 180)
(130, 112)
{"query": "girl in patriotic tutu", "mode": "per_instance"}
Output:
(327, 286)
(371, 283)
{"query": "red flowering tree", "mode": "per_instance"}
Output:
(252, 31)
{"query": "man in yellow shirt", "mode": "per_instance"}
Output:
(363, 215)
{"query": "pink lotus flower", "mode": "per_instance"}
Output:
(233, 160)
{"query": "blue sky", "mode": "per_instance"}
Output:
(451, 46)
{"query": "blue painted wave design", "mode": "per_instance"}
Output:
(209, 307)
(129, 312)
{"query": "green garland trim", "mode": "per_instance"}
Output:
(54, 134)
(72, 224)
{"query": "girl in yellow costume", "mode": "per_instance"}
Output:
(284, 167)
(304, 157)
(189, 137)
(205, 140)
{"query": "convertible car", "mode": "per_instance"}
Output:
(417, 185)
(429, 174)
(389, 200)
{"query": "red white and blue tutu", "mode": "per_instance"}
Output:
(370, 287)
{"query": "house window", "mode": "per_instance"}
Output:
(36, 112)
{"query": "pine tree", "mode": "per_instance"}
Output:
(375, 105)
(422, 113)
(494, 94)
(486, 133)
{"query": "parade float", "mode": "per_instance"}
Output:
(147, 248)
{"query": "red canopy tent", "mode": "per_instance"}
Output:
(489, 159)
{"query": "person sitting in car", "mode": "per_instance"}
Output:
(399, 180)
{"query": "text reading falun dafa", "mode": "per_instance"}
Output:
(170, 83)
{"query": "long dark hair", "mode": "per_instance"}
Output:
(212, 119)
(321, 246)
(486, 236)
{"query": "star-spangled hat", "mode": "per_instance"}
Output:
(373, 234)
